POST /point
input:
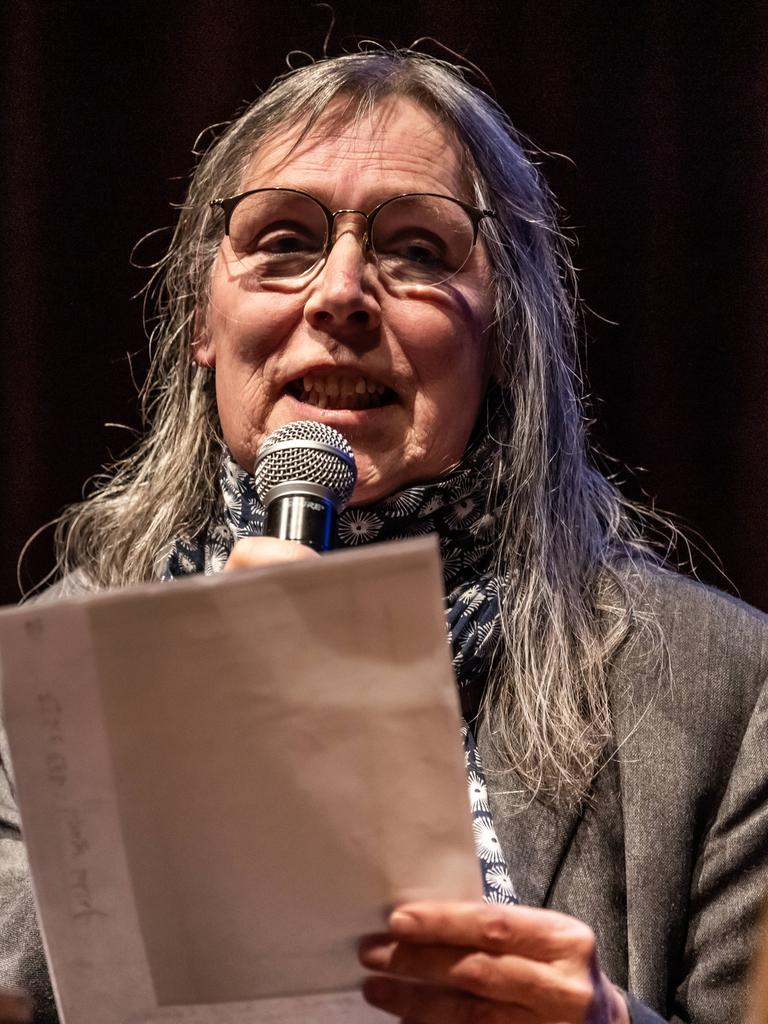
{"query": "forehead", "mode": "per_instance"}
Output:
(398, 146)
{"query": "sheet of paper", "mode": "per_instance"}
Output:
(225, 781)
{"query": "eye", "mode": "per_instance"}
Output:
(285, 239)
(415, 247)
(419, 252)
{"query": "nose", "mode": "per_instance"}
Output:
(341, 299)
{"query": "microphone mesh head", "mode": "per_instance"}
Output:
(310, 453)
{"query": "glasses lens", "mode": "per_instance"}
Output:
(278, 234)
(421, 239)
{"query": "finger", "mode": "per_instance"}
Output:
(252, 552)
(504, 978)
(15, 1007)
(415, 1003)
(527, 931)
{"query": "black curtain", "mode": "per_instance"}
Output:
(659, 110)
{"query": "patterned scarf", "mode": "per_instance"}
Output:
(452, 507)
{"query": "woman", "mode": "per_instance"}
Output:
(369, 246)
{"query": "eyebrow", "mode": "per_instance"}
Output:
(373, 199)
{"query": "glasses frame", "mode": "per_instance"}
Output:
(475, 214)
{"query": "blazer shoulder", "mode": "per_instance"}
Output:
(698, 655)
(75, 584)
(696, 617)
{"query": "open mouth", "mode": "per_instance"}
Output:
(340, 392)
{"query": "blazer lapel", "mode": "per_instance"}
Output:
(534, 836)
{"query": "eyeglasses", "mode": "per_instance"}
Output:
(283, 234)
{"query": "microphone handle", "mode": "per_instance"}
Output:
(305, 518)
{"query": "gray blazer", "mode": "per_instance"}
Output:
(668, 861)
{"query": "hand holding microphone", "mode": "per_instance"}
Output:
(305, 473)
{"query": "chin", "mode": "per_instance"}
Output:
(373, 484)
(368, 494)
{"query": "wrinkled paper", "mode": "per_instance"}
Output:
(225, 781)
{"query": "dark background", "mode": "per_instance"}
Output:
(659, 107)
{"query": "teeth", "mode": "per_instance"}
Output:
(327, 392)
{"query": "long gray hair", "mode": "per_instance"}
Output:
(563, 528)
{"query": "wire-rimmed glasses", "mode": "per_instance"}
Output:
(284, 234)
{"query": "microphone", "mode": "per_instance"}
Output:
(305, 473)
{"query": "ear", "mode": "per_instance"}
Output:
(204, 347)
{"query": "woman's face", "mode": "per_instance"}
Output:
(426, 346)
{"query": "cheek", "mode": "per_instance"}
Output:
(246, 326)
(450, 379)
(447, 348)
(247, 333)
